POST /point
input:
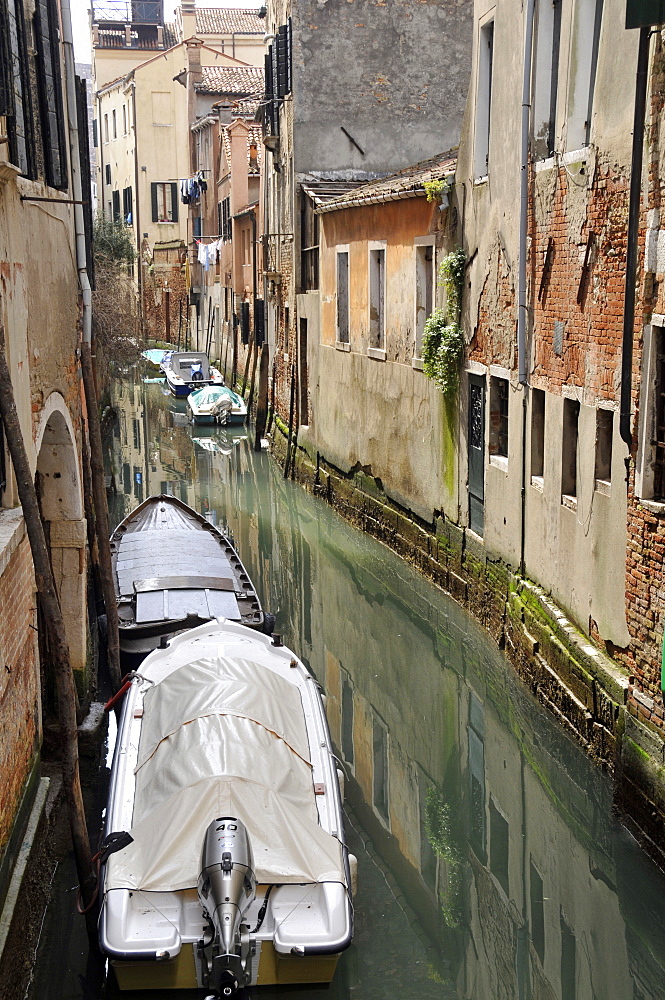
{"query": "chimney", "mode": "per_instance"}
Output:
(188, 17)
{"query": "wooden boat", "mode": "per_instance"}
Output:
(174, 570)
(217, 404)
(224, 862)
(188, 370)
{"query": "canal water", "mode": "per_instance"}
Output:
(490, 863)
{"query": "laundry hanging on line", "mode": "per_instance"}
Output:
(208, 253)
(191, 188)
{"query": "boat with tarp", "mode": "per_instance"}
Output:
(224, 862)
(173, 570)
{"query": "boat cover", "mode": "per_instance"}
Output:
(223, 736)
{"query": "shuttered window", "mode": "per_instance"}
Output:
(19, 122)
(283, 59)
(164, 202)
(6, 102)
(127, 205)
(115, 200)
(51, 111)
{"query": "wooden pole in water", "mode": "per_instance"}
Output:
(252, 379)
(262, 401)
(271, 415)
(179, 323)
(57, 640)
(291, 410)
(101, 515)
(250, 347)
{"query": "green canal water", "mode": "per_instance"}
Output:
(491, 865)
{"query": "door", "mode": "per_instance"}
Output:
(477, 453)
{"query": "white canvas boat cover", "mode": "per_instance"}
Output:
(223, 737)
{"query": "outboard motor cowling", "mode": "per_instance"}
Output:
(226, 889)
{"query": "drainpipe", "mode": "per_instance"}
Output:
(521, 280)
(137, 216)
(95, 436)
(633, 230)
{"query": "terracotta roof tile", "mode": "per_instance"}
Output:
(227, 21)
(233, 80)
(406, 183)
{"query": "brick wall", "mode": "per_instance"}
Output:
(19, 684)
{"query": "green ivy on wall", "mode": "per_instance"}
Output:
(443, 340)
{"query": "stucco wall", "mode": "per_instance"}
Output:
(402, 89)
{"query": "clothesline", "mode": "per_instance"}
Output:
(191, 188)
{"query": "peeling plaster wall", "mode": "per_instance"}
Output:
(578, 555)
(382, 416)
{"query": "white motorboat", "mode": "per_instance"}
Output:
(188, 370)
(224, 862)
(217, 404)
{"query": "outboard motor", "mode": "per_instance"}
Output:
(226, 888)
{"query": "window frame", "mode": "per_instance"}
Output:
(377, 279)
(483, 105)
(342, 336)
(420, 245)
(155, 202)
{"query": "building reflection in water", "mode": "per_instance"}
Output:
(508, 875)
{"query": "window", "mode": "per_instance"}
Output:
(537, 914)
(106, 128)
(484, 99)
(115, 202)
(287, 328)
(424, 292)
(571, 415)
(107, 172)
(499, 417)
(546, 76)
(499, 847)
(3, 464)
(343, 296)
(127, 205)
(377, 291)
(309, 244)
(16, 87)
(164, 203)
(347, 719)
(380, 772)
(115, 125)
(124, 119)
(604, 427)
(650, 465)
(537, 433)
(304, 374)
(224, 218)
(51, 110)
(584, 59)
(568, 961)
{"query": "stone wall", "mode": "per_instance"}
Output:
(583, 688)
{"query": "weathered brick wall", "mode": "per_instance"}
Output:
(19, 684)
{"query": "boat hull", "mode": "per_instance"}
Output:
(173, 570)
(224, 722)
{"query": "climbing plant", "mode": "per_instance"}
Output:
(443, 340)
(446, 845)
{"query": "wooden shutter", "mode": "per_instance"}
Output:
(19, 124)
(282, 60)
(6, 90)
(115, 201)
(244, 322)
(259, 323)
(50, 94)
(84, 168)
(174, 202)
(155, 207)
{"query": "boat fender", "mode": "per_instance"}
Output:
(353, 869)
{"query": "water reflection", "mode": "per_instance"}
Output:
(490, 863)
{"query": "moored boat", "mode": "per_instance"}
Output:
(188, 370)
(174, 570)
(217, 404)
(224, 863)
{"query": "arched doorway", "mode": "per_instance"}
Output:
(58, 484)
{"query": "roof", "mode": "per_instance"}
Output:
(321, 192)
(240, 80)
(227, 21)
(406, 183)
(170, 35)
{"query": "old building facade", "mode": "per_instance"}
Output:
(40, 322)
